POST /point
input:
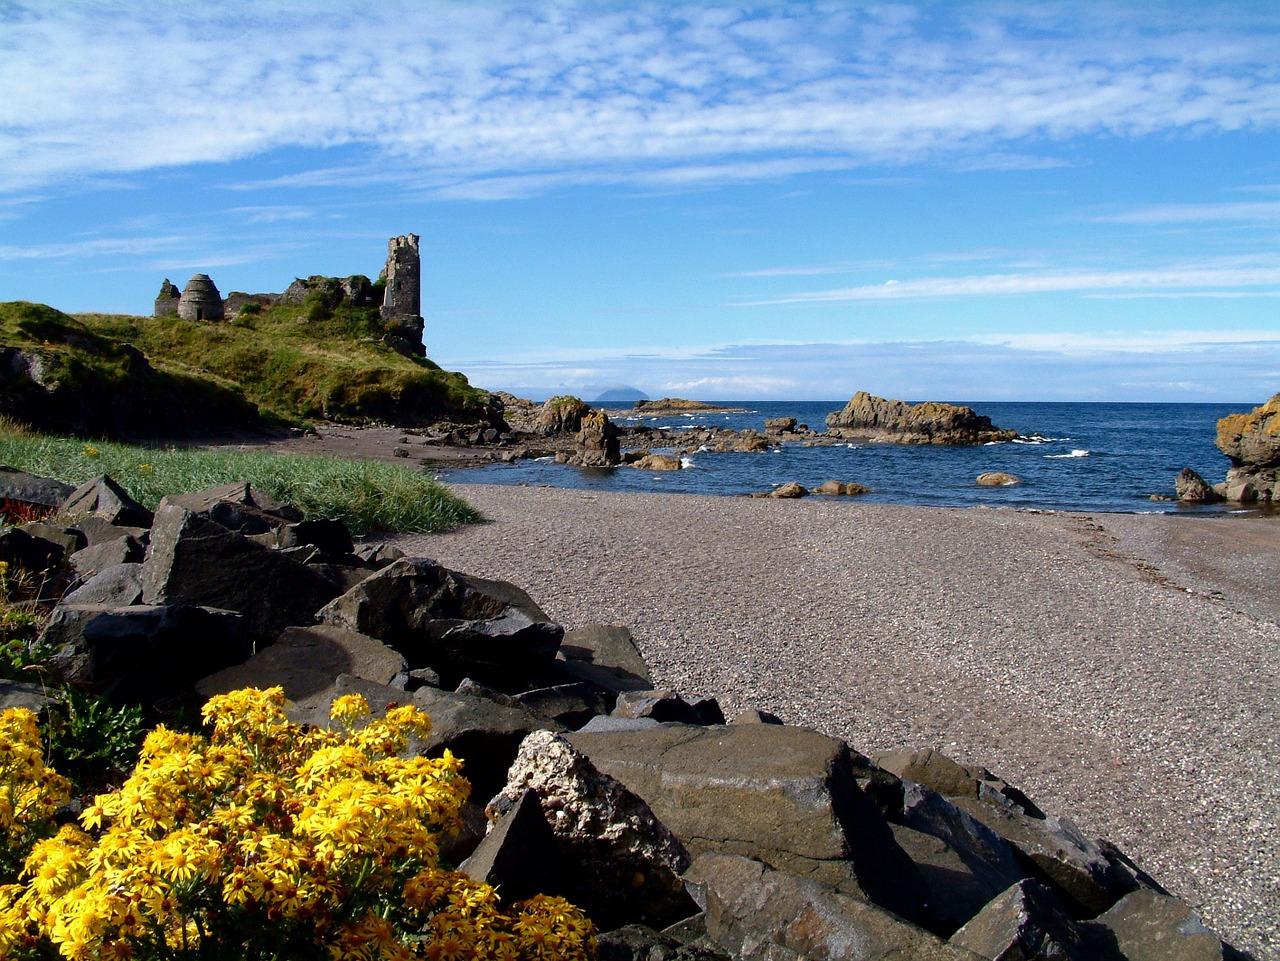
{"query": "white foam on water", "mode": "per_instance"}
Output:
(702, 449)
(1075, 453)
(541, 460)
(854, 446)
(687, 462)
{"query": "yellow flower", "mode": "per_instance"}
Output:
(91, 451)
(349, 708)
(146, 469)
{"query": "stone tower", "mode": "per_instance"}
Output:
(402, 299)
(201, 300)
(167, 300)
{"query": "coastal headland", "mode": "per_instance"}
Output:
(1120, 668)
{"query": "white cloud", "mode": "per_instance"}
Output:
(442, 95)
(1148, 366)
(1240, 212)
(988, 285)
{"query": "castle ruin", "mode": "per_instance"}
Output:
(398, 297)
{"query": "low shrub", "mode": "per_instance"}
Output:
(264, 840)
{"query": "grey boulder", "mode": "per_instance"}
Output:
(32, 490)
(1027, 923)
(116, 586)
(104, 498)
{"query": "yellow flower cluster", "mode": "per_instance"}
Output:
(269, 840)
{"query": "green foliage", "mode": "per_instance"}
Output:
(20, 655)
(366, 495)
(565, 400)
(92, 741)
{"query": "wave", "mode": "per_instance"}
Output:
(1078, 452)
(1034, 440)
(687, 462)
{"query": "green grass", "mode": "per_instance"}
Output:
(366, 495)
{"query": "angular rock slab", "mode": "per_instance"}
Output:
(194, 560)
(143, 654)
(757, 913)
(98, 557)
(235, 494)
(306, 660)
(519, 855)
(31, 489)
(668, 706)
(987, 863)
(452, 622)
(1150, 926)
(104, 498)
(784, 795)
(626, 864)
(118, 586)
(25, 552)
(487, 735)
(604, 656)
(1026, 923)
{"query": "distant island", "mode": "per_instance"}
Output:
(669, 406)
(621, 395)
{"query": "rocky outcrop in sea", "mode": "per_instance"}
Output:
(1252, 441)
(683, 836)
(874, 418)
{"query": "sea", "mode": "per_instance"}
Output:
(1084, 457)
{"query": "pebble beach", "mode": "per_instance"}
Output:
(1121, 669)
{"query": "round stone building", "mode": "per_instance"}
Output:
(200, 300)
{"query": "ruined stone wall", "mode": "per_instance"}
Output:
(402, 301)
(167, 300)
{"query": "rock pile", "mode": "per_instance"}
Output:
(683, 837)
(893, 421)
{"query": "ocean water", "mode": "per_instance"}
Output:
(1096, 457)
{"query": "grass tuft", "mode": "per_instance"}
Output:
(368, 496)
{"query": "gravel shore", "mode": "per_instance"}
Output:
(1121, 669)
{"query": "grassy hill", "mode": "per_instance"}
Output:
(294, 362)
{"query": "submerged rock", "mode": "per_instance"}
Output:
(998, 478)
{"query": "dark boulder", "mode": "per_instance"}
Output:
(625, 864)
(22, 490)
(1147, 925)
(143, 654)
(118, 586)
(519, 855)
(70, 539)
(454, 623)
(758, 913)
(604, 656)
(194, 560)
(27, 553)
(1027, 923)
(665, 705)
(636, 942)
(785, 795)
(569, 704)
(99, 557)
(1191, 488)
(306, 660)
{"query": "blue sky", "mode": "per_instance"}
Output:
(962, 201)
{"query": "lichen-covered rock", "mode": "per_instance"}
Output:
(998, 478)
(757, 913)
(627, 865)
(1252, 439)
(657, 462)
(897, 422)
(561, 415)
(597, 442)
(835, 488)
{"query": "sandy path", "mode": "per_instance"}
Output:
(1063, 651)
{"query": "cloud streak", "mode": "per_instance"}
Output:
(1015, 284)
(479, 101)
